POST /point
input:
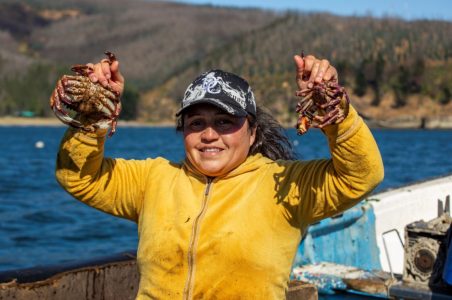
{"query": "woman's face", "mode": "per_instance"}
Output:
(216, 142)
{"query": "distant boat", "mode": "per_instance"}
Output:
(26, 114)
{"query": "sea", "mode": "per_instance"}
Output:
(40, 224)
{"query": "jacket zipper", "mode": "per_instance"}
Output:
(188, 289)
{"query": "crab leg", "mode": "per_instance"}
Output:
(96, 106)
(327, 119)
(60, 113)
(332, 103)
(304, 105)
(321, 105)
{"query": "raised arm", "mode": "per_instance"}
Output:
(111, 185)
(115, 186)
(328, 187)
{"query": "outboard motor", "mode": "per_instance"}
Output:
(428, 252)
(447, 271)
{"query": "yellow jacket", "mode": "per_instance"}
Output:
(230, 237)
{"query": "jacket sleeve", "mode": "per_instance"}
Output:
(330, 186)
(115, 186)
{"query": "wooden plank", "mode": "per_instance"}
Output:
(114, 281)
(299, 290)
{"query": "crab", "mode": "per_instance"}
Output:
(323, 104)
(80, 103)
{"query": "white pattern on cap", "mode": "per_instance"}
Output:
(209, 83)
(226, 90)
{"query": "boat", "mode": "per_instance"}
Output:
(363, 251)
(387, 246)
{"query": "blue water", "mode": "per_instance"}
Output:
(40, 224)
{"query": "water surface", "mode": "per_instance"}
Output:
(41, 224)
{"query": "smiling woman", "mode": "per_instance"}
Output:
(216, 142)
(237, 206)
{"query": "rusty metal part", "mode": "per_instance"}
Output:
(94, 106)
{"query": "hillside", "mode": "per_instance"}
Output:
(154, 41)
(394, 69)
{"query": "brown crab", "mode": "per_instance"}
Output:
(94, 105)
(323, 104)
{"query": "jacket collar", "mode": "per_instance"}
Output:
(251, 163)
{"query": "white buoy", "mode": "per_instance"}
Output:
(39, 144)
(295, 143)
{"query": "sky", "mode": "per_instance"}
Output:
(409, 10)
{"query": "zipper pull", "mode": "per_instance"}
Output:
(209, 182)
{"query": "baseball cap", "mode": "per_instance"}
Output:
(226, 91)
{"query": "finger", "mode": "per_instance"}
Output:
(309, 63)
(100, 75)
(92, 76)
(299, 66)
(324, 64)
(117, 80)
(331, 74)
(314, 72)
(299, 69)
(105, 66)
(115, 73)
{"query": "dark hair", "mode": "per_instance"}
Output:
(271, 139)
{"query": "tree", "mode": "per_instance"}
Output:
(445, 95)
(401, 87)
(129, 103)
(360, 80)
(376, 82)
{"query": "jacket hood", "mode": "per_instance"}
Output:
(251, 163)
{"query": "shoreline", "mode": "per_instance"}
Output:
(54, 122)
(396, 123)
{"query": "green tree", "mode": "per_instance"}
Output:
(445, 95)
(417, 75)
(129, 101)
(401, 87)
(31, 92)
(377, 81)
(360, 80)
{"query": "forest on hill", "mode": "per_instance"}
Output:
(391, 68)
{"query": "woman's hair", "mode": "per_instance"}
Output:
(271, 139)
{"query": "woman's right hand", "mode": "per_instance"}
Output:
(311, 70)
(107, 74)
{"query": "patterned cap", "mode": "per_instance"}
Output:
(226, 91)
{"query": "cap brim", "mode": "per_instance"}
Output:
(236, 110)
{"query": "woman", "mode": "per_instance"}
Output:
(226, 222)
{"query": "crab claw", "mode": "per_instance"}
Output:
(60, 113)
(66, 119)
(111, 56)
(83, 70)
(303, 125)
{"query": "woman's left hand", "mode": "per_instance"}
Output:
(310, 70)
(107, 74)
(322, 100)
